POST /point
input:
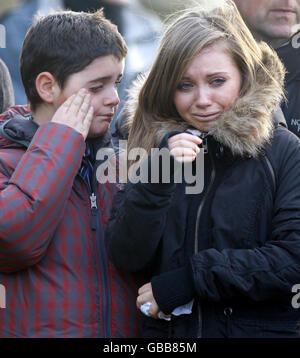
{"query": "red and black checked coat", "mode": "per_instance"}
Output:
(58, 280)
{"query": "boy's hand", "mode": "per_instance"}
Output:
(76, 112)
(184, 147)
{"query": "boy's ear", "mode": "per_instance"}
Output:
(46, 86)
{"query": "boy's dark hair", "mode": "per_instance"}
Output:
(64, 43)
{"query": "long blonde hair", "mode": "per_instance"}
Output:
(183, 39)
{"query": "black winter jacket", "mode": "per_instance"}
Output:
(247, 246)
(235, 247)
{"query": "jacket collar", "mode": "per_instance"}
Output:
(19, 129)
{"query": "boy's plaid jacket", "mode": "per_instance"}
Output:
(53, 264)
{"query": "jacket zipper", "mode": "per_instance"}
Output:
(102, 261)
(94, 211)
(199, 212)
(103, 269)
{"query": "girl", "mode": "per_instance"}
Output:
(230, 254)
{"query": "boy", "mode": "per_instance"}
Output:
(53, 265)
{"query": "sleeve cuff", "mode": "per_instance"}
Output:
(173, 289)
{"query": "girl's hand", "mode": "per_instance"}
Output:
(146, 295)
(184, 147)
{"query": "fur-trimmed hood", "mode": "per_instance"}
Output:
(247, 125)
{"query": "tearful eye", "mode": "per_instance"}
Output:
(184, 86)
(218, 81)
(96, 89)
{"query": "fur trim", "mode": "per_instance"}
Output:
(247, 125)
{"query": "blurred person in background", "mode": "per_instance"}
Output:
(17, 16)
(275, 22)
(6, 89)
(167, 7)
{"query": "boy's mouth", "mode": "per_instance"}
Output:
(106, 117)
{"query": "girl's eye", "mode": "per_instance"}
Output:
(184, 86)
(117, 83)
(96, 89)
(218, 81)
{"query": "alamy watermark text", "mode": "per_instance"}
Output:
(156, 168)
(2, 36)
(2, 296)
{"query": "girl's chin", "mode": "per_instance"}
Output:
(204, 126)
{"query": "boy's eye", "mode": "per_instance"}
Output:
(96, 89)
(117, 83)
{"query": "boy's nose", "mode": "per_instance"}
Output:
(112, 98)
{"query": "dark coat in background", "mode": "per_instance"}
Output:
(290, 56)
